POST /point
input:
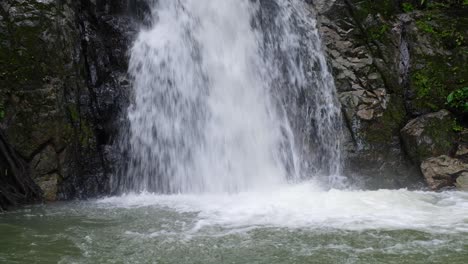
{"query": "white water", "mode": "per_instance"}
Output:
(230, 96)
(288, 224)
(306, 206)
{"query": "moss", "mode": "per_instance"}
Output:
(378, 32)
(79, 126)
(386, 8)
(430, 135)
(74, 113)
(442, 135)
(383, 130)
(436, 80)
(451, 33)
(2, 111)
(30, 49)
(32, 63)
(441, 70)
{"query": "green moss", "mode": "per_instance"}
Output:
(456, 127)
(80, 127)
(2, 111)
(458, 100)
(444, 28)
(27, 54)
(437, 79)
(32, 65)
(378, 32)
(407, 7)
(386, 8)
(441, 70)
(442, 135)
(382, 130)
(74, 114)
(425, 26)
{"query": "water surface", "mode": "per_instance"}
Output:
(290, 224)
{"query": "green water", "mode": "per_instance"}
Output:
(238, 229)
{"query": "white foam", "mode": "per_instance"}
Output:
(305, 205)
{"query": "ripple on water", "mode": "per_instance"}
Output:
(292, 224)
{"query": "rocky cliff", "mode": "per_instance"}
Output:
(63, 83)
(397, 66)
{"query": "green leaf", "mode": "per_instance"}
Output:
(450, 98)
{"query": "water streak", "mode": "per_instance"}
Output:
(229, 96)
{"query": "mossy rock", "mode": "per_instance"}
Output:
(384, 130)
(429, 135)
(439, 43)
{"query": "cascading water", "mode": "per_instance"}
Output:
(228, 96)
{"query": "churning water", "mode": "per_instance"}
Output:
(289, 224)
(230, 96)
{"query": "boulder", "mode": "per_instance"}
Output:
(429, 135)
(462, 148)
(462, 182)
(49, 186)
(444, 171)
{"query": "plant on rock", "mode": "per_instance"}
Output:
(458, 100)
(2, 111)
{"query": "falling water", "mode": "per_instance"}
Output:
(229, 96)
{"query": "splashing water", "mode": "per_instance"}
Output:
(230, 96)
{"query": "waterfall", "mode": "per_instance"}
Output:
(229, 96)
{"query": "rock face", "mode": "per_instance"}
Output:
(444, 171)
(16, 185)
(63, 84)
(391, 65)
(429, 135)
(462, 182)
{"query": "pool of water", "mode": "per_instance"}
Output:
(289, 224)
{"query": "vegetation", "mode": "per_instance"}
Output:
(443, 70)
(458, 100)
(378, 32)
(2, 111)
(407, 7)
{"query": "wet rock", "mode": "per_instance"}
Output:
(16, 184)
(462, 148)
(364, 56)
(429, 135)
(63, 86)
(45, 162)
(462, 182)
(365, 114)
(443, 171)
(49, 186)
(377, 48)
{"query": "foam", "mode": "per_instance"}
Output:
(307, 206)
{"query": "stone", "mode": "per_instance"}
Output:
(429, 135)
(44, 162)
(365, 114)
(462, 150)
(49, 186)
(462, 182)
(443, 171)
